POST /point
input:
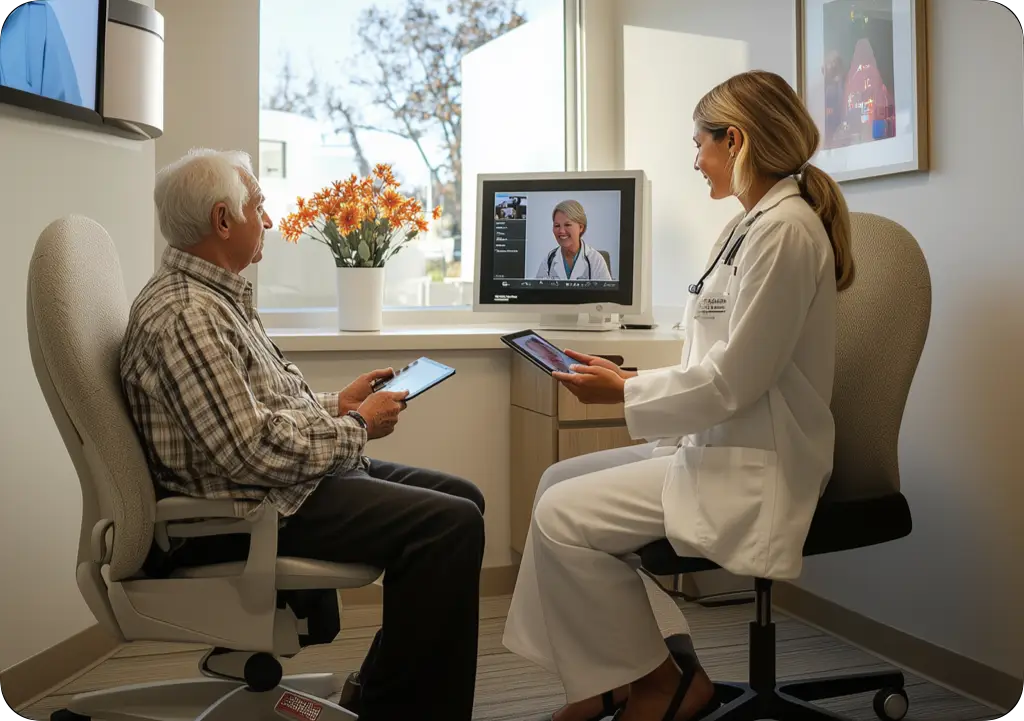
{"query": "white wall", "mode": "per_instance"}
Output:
(648, 64)
(211, 80)
(514, 125)
(51, 168)
(957, 579)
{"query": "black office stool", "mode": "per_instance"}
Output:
(837, 526)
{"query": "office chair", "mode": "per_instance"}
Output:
(883, 324)
(77, 314)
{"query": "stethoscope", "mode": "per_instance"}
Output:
(583, 250)
(697, 287)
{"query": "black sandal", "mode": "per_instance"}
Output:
(610, 707)
(677, 700)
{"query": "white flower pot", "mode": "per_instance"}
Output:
(360, 299)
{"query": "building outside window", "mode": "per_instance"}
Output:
(272, 159)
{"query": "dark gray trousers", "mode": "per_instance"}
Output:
(426, 530)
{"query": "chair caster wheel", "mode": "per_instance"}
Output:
(891, 704)
(65, 715)
(262, 672)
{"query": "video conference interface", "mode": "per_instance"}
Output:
(557, 239)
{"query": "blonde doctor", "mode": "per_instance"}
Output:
(741, 433)
(571, 258)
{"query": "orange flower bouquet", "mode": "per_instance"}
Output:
(365, 222)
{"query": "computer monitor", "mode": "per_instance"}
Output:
(573, 247)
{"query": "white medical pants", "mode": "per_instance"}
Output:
(581, 609)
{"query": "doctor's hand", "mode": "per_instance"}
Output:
(595, 362)
(360, 389)
(381, 411)
(594, 384)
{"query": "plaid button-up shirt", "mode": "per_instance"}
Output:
(221, 413)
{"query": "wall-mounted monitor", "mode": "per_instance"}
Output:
(51, 57)
(94, 61)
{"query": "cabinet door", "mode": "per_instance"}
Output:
(532, 451)
(570, 409)
(574, 442)
(532, 389)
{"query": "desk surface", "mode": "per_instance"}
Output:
(465, 337)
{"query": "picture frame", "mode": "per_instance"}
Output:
(862, 72)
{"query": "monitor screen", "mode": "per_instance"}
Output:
(51, 49)
(557, 241)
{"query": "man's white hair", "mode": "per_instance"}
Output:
(187, 189)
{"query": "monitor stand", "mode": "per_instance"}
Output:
(580, 322)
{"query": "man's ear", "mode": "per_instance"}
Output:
(219, 220)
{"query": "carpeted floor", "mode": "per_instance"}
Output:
(510, 689)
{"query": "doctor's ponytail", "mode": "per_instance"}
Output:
(779, 138)
(823, 194)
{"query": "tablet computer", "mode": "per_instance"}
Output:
(539, 351)
(418, 377)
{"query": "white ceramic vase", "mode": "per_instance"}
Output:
(360, 299)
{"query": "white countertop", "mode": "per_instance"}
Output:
(463, 337)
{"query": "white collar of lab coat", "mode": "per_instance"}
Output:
(785, 188)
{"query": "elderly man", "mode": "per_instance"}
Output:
(223, 414)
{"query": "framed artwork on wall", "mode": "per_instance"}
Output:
(862, 71)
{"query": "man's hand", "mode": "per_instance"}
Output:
(594, 384)
(595, 362)
(380, 411)
(360, 389)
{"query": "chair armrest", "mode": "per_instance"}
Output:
(183, 517)
(182, 509)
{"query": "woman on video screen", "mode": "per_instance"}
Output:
(572, 259)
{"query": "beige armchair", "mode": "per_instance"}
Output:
(77, 315)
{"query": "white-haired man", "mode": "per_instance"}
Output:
(223, 414)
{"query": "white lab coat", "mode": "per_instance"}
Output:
(747, 414)
(590, 265)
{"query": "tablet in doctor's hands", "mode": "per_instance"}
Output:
(540, 352)
(418, 377)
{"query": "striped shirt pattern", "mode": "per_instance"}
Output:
(221, 413)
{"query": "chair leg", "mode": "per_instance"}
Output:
(726, 692)
(184, 699)
(244, 704)
(740, 708)
(209, 700)
(793, 709)
(753, 706)
(839, 686)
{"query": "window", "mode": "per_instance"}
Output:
(272, 159)
(439, 89)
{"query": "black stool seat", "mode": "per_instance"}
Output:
(837, 526)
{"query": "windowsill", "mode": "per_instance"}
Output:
(456, 338)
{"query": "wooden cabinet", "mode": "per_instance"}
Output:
(549, 425)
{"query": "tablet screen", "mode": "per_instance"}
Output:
(543, 352)
(417, 377)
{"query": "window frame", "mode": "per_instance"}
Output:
(397, 317)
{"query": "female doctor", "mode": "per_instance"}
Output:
(741, 430)
(571, 259)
